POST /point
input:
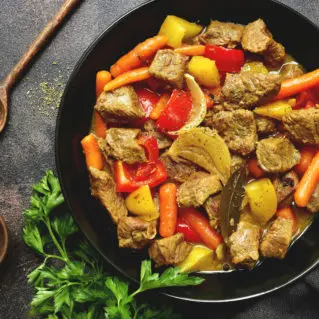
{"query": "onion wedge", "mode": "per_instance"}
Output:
(198, 111)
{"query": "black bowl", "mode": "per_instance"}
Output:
(299, 36)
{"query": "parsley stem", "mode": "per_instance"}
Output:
(132, 295)
(55, 257)
(55, 241)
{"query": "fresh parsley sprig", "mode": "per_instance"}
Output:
(71, 283)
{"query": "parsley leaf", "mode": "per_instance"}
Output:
(73, 284)
(32, 237)
(50, 188)
(171, 277)
(64, 226)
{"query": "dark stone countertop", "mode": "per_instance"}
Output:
(27, 144)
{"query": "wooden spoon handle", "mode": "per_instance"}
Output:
(38, 43)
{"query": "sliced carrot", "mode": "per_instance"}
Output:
(307, 153)
(140, 53)
(191, 50)
(286, 212)
(160, 106)
(129, 77)
(168, 209)
(93, 155)
(99, 125)
(308, 183)
(102, 78)
(301, 83)
(254, 168)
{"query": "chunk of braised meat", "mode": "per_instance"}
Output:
(244, 243)
(122, 144)
(209, 117)
(225, 34)
(258, 39)
(211, 207)
(277, 154)
(162, 140)
(285, 185)
(275, 54)
(238, 129)
(236, 162)
(103, 187)
(170, 250)
(277, 239)
(170, 67)
(303, 125)
(313, 204)
(178, 171)
(265, 125)
(119, 106)
(135, 233)
(291, 71)
(248, 89)
(198, 187)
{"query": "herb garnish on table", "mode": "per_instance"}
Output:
(71, 281)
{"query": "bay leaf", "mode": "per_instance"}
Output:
(231, 198)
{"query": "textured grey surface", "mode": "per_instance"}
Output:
(27, 144)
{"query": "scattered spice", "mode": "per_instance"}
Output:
(48, 95)
(51, 94)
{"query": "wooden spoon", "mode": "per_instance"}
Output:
(3, 240)
(38, 43)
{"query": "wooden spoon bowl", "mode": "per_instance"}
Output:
(3, 107)
(4, 239)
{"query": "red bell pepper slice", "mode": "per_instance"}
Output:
(148, 100)
(125, 176)
(176, 112)
(151, 147)
(144, 170)
(201, 225)
(227, 60)
(190, 234)
(305, 99)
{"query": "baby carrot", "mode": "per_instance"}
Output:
(102, 78)
(209, 101)
(307, 153)
(99, 125)
(296, 85)
(140, 53)
(191, 50)
(168, 209)
(160, 106)
(128, 78)
(93, 155)
(201, 225)
(308, 183)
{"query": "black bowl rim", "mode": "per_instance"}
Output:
(59, 171)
